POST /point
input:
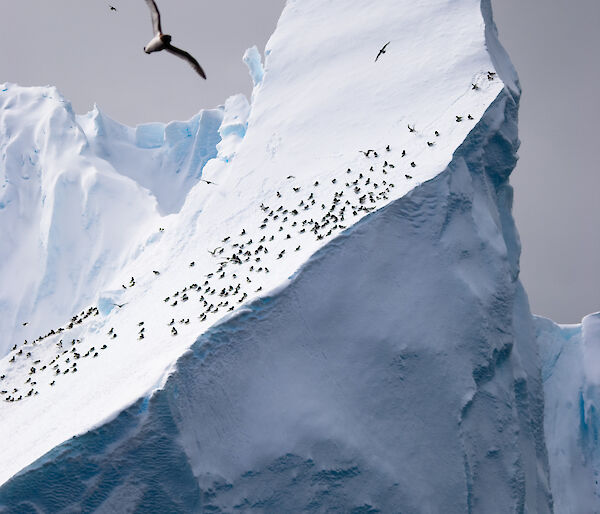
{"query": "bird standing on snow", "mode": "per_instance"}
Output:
(162, 41)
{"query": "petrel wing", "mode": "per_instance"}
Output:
(184, 55)
(155, 16)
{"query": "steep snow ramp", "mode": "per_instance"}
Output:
(287, 183)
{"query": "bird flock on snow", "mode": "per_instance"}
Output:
(284, 224)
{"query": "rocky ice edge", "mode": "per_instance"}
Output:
(316, 136)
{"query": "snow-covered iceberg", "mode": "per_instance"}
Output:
(312, 301)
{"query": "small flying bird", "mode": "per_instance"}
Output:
(112, 8)
(475, 87)
(163, 41)
(411, 129)
(25, 323)
(208, 181)
(119, 305)
(382, 51)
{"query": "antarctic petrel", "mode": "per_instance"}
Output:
(162, 41)
(382, 51)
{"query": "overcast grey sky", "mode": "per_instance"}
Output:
(553, 45)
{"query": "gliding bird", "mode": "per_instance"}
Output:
(382, 51)
(162, 41)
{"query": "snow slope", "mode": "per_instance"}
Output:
(313, 326)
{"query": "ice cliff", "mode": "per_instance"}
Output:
(308, 302)
(571, 372)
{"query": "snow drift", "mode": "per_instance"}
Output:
(321, 308)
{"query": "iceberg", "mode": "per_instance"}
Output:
(570, 357)
(305, 302)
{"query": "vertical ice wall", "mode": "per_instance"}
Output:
(571, 373)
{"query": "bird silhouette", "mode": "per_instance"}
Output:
(382, 51)
(162, 41)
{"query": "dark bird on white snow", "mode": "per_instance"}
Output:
(112, 8)
(162, 41)
(382, 51)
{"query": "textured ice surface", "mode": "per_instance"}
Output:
(253, 60)
(571, 362)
